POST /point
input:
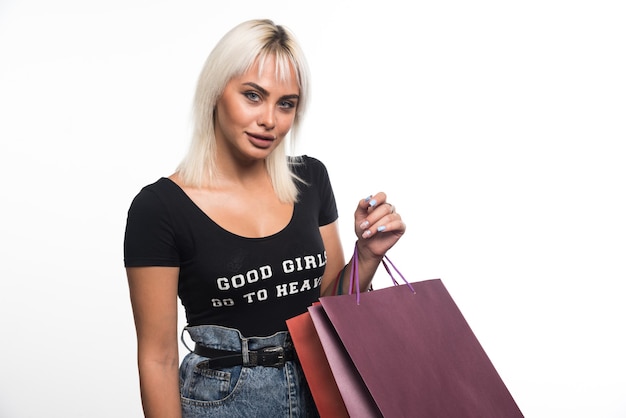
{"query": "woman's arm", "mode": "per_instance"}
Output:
(378, 227)
(335, 260)
(153, 294)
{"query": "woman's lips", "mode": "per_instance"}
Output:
(261, 141)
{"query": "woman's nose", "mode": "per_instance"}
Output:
(267, 118)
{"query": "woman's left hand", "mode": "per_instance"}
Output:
(377, 224)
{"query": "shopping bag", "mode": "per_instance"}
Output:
(316, 368)
(354, 393)
(416, 353)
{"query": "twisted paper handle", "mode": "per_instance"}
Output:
(354, 275)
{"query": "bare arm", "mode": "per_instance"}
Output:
(334, 256)
(153, 292)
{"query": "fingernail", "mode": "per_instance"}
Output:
(367, 199)
(364, 225)
(367, 233)
(381, 228)
(373, 202)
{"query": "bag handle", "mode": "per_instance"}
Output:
(354, 275)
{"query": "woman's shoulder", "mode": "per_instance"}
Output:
(304, 163)
(162, 190)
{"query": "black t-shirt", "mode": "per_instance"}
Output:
(251, 284)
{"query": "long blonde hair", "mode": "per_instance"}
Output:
(249, 42)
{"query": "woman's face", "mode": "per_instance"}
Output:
(255, 112)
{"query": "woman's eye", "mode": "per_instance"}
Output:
(286, 104)
(250, 95)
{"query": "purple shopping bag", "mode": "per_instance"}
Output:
(416, 353)
(356, 397)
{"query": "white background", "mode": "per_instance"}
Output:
(496, 128)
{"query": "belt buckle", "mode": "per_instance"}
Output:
(271, 357)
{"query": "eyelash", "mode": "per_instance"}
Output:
(252, 96)
(287, 104)
(255, 97)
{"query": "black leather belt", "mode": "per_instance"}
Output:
(268, 357)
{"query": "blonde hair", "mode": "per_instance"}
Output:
(246, 44)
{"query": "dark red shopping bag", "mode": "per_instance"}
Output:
(416, 354)
(319, 377)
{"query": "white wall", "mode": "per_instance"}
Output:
(496, 128)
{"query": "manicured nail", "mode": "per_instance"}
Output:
(367, 233)
(373, 202)
(381, 228)
(367, 199)
(364, 225)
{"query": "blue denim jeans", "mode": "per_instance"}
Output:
(241, 391)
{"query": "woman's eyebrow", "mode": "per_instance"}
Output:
(266, 93)
(257, 87)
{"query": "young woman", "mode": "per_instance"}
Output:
(245, 235)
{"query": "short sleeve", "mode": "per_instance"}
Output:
(328, 206)
(149, 238)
